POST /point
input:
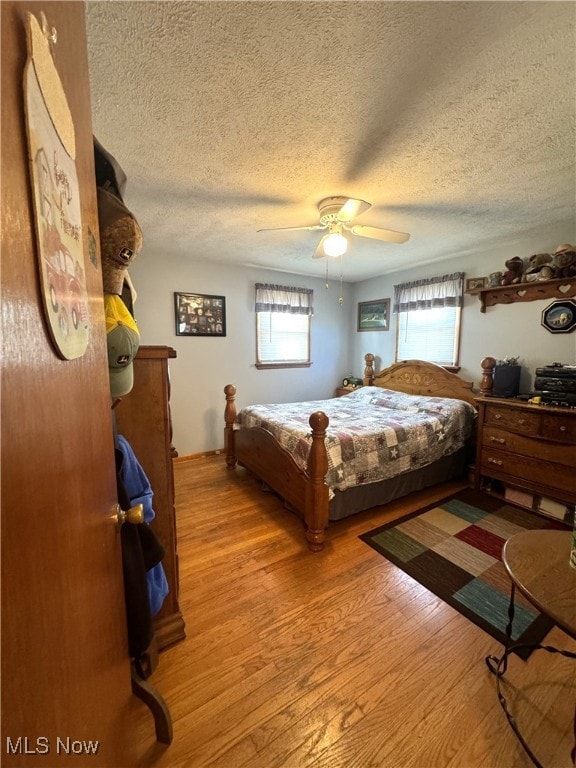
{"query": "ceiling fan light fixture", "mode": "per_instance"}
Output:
(335, 243)
(338, 214)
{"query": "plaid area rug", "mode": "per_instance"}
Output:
(454, 549)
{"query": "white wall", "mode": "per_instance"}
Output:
(503, 330)
(205, 365)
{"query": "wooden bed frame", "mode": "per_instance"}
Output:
(305, 490)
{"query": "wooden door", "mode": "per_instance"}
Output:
(65, 669)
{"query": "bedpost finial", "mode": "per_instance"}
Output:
(369, 370)
(318, 421)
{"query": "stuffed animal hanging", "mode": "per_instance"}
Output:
(120, 240)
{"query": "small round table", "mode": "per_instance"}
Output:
(538, 564)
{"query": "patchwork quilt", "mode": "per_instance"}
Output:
(374, 433)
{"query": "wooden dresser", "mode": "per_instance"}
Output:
(143, 417)
(532, 447)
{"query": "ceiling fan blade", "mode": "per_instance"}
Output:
(285, 229)
(389, 235)
(319, 252)
(351, 209)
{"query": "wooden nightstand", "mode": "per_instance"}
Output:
(528, 446)
(345, 390)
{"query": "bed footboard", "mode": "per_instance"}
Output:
(259, 451)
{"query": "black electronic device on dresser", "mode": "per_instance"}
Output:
(556, 384)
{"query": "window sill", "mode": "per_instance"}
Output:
(265, 366)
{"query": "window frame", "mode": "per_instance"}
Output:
(289, 301)
(263, 365)
(453, 367)
(443, 291)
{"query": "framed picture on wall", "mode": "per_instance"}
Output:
(560, 316)
(474, 283)
(374, 315)
(199, 314)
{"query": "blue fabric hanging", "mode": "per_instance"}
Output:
(139, 491)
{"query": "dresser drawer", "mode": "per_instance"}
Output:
(513, 419)
(521, 468)
(530, 447)
(559, 427)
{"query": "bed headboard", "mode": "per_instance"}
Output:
(417, 377)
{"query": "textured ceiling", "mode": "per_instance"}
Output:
(455, 120)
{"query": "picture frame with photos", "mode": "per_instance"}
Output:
(200, 314)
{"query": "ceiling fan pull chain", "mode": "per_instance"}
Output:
(341, 299)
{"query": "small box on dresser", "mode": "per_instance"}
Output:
(527, 446)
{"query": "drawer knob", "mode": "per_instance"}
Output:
(562, 428)
(521, 421)
(497, 439)
(497, 415)
(494, 461)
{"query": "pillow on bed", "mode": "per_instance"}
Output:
(400, 401)
(384, 398)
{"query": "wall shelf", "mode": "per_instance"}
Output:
(510, 294)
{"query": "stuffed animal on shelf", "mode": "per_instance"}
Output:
(536, 263)
(564, 261)
(514, 270)
(546, 273)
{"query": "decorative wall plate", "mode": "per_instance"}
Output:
(560, 316)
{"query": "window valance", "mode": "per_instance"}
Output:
(280, 298)
(445, 291)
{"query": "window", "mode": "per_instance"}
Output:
(428, 325)
(283, 326)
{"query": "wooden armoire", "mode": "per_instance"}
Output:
(143, 418)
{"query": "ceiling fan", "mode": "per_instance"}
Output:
(336, 215)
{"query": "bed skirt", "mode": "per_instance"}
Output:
(361, 497)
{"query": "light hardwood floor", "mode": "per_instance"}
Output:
(334, 659)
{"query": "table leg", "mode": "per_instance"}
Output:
(498, 667)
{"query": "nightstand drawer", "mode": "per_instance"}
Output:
(515, 420)
(530, 447)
